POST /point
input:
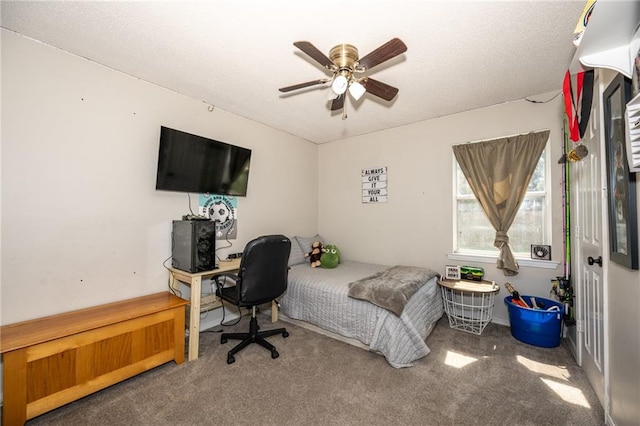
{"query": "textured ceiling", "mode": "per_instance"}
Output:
(234, 55)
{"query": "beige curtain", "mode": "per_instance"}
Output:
(498, 172)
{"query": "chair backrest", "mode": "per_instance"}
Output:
(263, 270)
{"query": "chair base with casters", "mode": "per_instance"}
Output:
(253, 336)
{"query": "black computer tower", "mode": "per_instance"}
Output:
(194, 245)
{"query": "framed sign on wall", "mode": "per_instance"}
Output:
(621, 184)
(374, 185)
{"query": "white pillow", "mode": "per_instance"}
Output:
(306, 242)
(297, 255)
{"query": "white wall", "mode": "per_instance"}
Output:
(415, 227)
(82, 223)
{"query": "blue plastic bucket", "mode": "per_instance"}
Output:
(538, 327)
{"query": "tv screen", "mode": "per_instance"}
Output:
(190, 163)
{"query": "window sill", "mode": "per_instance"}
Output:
(479, 258)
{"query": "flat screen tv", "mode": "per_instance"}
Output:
(190, 163)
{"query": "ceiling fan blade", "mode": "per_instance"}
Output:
(383, 53)
(303, 85)
(380, 89)
(338, 102)
(314, 53)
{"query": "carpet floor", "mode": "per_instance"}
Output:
(492, 379)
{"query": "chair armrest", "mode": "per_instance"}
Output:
(220, 286)
(234, 277)
(218, 280)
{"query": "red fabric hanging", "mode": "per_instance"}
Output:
(570, 104)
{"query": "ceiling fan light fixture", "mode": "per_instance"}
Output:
(340, 85)
(332, 95)
(356, 90)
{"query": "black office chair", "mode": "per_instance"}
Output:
(262, 278)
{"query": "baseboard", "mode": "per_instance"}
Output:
(501, 321)
(214, 317)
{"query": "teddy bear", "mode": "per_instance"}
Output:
(315, 254)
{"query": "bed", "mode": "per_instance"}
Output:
(320, 297)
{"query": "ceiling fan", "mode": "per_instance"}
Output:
(345, 64)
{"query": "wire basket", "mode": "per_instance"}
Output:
(469, 306)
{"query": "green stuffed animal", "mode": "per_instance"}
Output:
(330, 257)
(339, 254)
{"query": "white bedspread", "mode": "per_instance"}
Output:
(320, 296)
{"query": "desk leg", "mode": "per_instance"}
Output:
(194, 318)
(274, 311)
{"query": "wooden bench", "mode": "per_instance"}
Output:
(51, 361)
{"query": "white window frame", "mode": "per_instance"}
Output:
(484, 256)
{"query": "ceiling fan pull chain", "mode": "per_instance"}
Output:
(344, 109)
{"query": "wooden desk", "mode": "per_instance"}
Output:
(194, 280)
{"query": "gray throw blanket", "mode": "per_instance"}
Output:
(392, 288)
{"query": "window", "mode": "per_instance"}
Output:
(474, 233)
